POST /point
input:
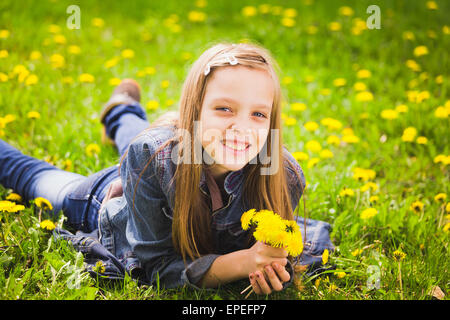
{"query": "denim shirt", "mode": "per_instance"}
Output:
(141, 237)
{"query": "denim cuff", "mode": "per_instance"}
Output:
(195, 271)
(112, 118)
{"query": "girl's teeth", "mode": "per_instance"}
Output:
(235, 147)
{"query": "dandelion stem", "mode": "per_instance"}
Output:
(246, 289)
(248, 294)
(400, 279)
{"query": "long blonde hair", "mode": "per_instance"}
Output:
(191, 225)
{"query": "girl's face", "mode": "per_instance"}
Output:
(235, 116)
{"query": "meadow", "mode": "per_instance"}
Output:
(366, 114)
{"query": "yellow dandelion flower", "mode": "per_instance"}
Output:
(340, 274)
(368, 186)
(289, 121)
(441, 113)
(152, 105)
(417, 206)
(86, 78)
(98, 22)
(420, 51)
(246, 218)
(300, 156)
(335, 140)
(6, 205)
(249, 11)
(312, 162)
(431, 5)
(43, 203)
(47, 225)
(111, 62)
(363, 74)
(413, 65)
(14, 197)
(31, 80)
(313, 146)
(361, 174)
(350, 139)
(326, 154)
(290, 12)
(114, 81)
(34, 115)
(67, 80)
(165, 84)
(374, 199)
(53, 28)
(389, 114)
(364, 96)
(359, 86)
(346, 11)
(440, 197)
(201, 3)
(325, 256)
(334, 26)
(99, 267)
(74, 49)
(127, 54)
(408, 35)
(356, 252)
(196, 16)
(92, 149)
(331, 124)
(339, 82)
(422, 140)
(3, 77)
(298, 106)
(287, 22)
(59, 39)
(4, 54)
(346, 192)
(409, 134)
(57, 61)
(401, 108)
(368, 213)
(4, 34)
(446, 227)
(35, 55)
(311, 126)
(398, 255)
(348, 132)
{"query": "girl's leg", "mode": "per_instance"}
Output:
(32, 178)
(124, 122)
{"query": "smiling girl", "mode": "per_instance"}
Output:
(188, 177)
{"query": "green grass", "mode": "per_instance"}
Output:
(33, 266)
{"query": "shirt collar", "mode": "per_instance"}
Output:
(231, 183)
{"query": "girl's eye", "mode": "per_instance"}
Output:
(221, 108)
(260, 115)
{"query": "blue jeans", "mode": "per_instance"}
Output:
(78, 196)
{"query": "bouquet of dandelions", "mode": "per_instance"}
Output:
(272, 230)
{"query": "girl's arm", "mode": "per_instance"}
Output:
(242, 263)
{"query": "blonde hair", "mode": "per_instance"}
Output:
(191, 234)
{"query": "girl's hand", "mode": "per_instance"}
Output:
(266, 268)
(261, 255)
(274, 273)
